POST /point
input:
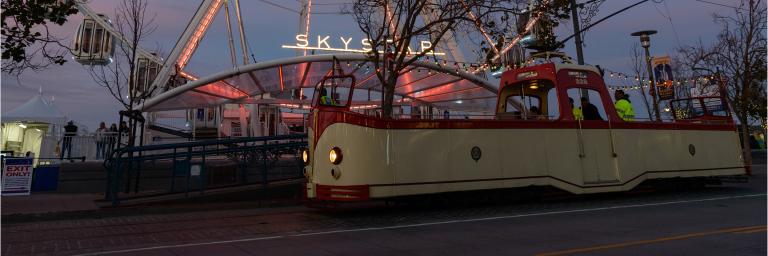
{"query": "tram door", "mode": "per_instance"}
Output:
(598, 161)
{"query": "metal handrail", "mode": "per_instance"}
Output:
(123, 161)
(211, 142)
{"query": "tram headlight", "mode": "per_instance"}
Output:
(305, 156)
(335, 155)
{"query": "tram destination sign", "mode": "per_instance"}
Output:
(348, 44)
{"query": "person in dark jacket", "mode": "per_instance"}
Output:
(70, 130)
(589, 110)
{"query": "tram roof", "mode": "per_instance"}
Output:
(427, 83)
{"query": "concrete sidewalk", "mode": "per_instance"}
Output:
(51, 205)
(48, 203)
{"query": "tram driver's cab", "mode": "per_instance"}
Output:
(334, 91)
(527, 100)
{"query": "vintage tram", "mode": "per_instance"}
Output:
(534, 139)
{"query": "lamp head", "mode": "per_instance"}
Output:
(645, 37)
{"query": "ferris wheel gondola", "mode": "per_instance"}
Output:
(93, 43)
(146, 72)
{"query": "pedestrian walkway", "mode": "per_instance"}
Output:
(48, 203)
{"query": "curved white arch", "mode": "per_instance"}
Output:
(154, 101)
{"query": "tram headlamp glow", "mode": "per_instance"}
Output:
(305, 156)
(335, 155)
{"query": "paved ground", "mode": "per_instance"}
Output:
(721, 220)
(49, 202)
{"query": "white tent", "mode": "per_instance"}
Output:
(25, 128)
(36, 110)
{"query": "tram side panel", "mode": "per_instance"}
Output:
(397, 162)
(421, 160)
(631, 155)
(656, 149)
(647, 154)
(713, 152)
(526, 154)
(484, 165)
(309, 168)
(366, 159)
(564, 164)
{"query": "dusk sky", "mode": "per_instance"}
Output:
(268, 27)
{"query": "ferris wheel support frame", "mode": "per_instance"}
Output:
(188, 42)
(449, 40)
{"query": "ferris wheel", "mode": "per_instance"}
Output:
(96, 37)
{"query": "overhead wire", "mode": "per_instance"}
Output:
(719, 4)
(343, 3)
(602, 19)
(668, 16)
(280, 6)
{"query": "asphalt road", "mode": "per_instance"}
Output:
(719, 220)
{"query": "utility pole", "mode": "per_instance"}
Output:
(577, 37)
(577, 33)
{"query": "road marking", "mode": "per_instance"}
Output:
(181, 245)
(761, 229)
(426, 224)
(658, 240)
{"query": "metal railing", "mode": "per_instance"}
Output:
(154, 170)
(83, 146)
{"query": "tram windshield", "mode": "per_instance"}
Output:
(334, 91)
(528, 100)
(701, 107)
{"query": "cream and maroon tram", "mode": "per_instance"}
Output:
(533, 139)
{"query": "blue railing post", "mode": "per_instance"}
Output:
(173, 171)
(116, 181)
(109, 166)
(189, 168)
(201, 179)
(264, 170)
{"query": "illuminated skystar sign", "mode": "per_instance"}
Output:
(324, 43)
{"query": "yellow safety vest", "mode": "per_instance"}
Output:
(577, 114)
(325, 100)
(624, 109)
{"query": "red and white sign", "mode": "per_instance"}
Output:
(17, 176)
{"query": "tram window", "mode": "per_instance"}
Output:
(589, 105)
(687, 109)
(715, 106)
(552, 105)
(529, 100)
(335, 91)
(522, 107)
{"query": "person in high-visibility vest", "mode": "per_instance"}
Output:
(624, 106)
(577, 114)
(325, 100)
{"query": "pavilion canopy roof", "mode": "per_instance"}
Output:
(447, 87)
(35, 110)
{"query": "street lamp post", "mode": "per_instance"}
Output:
(645, 41)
